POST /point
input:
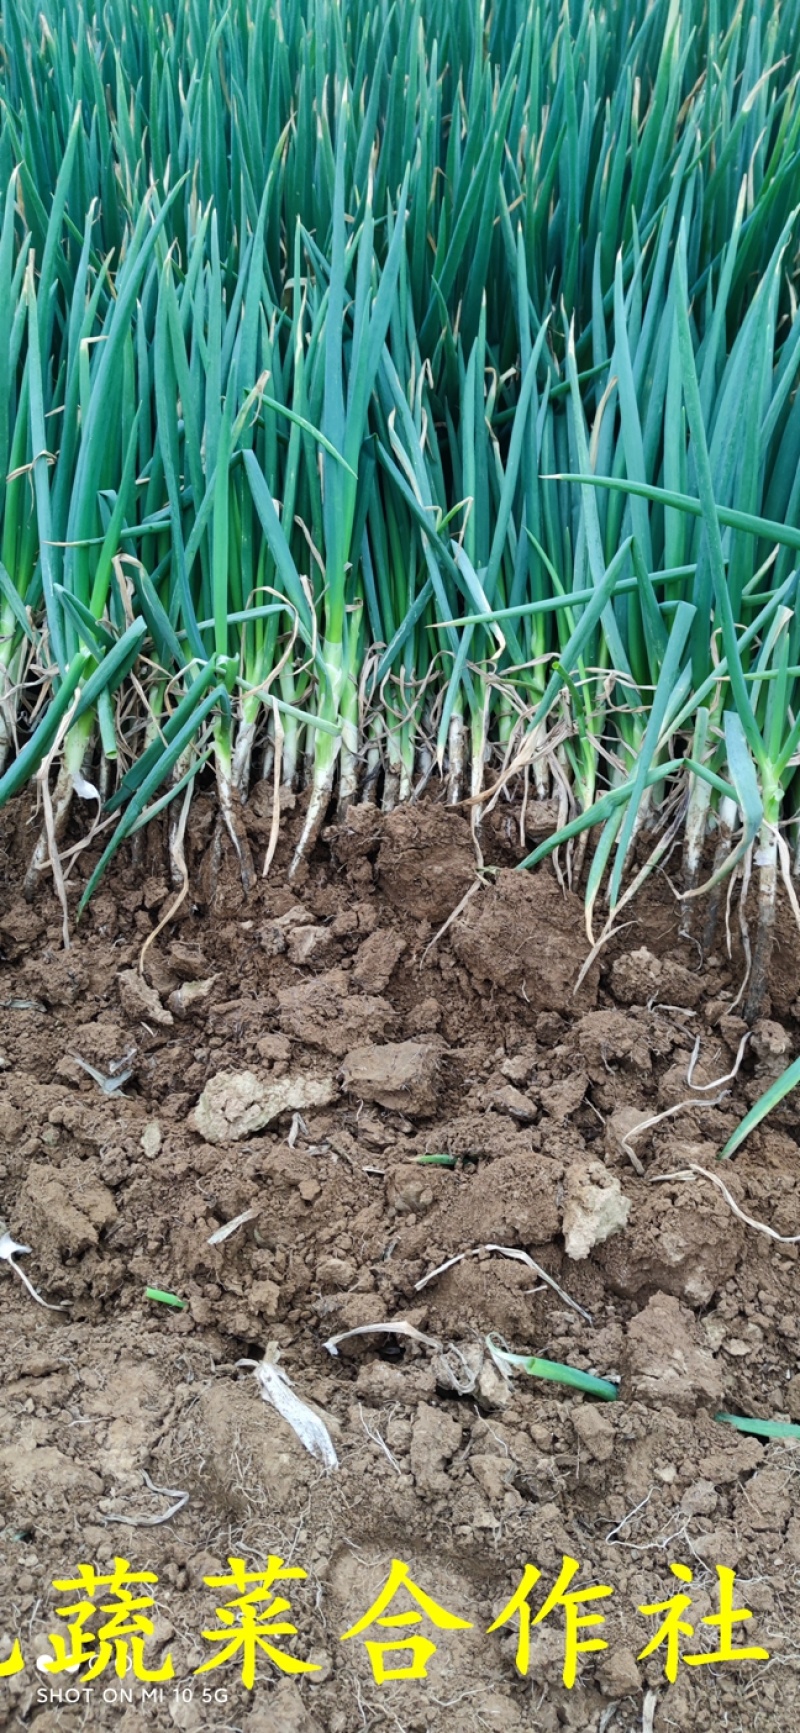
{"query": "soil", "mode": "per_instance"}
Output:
(292, 1055)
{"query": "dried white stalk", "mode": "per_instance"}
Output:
(505, 1252)
(181, 1498)
(224, 1233)
(401, 1329)
(9, 1250)
(277, 1390)
(749, 1221)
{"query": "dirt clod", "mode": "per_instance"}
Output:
(403, 1076)
(425, 863)
(324, 1013)
(526, 935)
(666, 1360)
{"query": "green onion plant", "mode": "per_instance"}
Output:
(401, 396)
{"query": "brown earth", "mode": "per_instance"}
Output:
(366, 1041)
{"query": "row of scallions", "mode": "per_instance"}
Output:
(402, 397)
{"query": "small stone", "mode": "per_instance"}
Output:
(595, 1430)
(158, 973)
(381, 1385)
(519, 1068)
(764, 1505)
(700, 1499)
(235, 1104)
(732, 1029)
(770, 1040)
(188, 961)
(436, 1436)
(188, 1716)
(274, 935)
(306, 945)
(618, 1128)
(561, 1099)
(618, 1674)
(154, 893)
(490, 1390)
(275, 1049)
(264, 1297)
(793, 1539)
(493, 1474)
(336, 1273)
(793, 1398)
(150, 1140)
(424, 1018)
(323, 1012)
(309, 1189)
(507, 1099)
(718, 1547)
(377, 960)
(594, 1208)
(162, 1631)
(285, 1710)
(141, 1002)
(190, 997)
(319, 1659)
(408, 1190)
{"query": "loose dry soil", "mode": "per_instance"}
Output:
(368, 1042)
